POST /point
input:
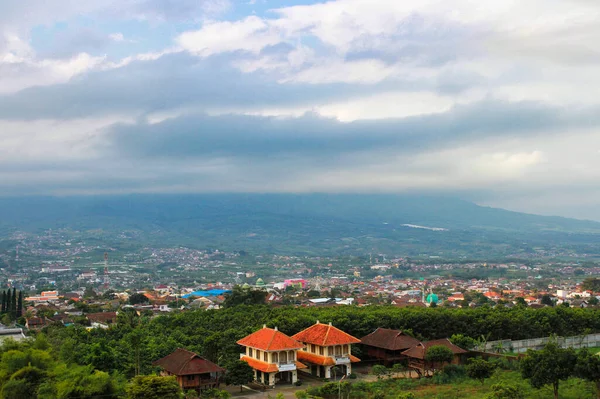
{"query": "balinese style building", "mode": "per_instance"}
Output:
(272, 355)
(417, 355)
(326, 347)
(192, 371)
(387, 345)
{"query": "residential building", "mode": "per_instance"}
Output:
(326, 347)
(193, 372)
(417, 355)
(272, 355)
(387, 345)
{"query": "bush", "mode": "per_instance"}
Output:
(406, 395)
(352, 376)
(450, 373)
(298, 383)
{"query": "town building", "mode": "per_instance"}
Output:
(387, 345)
(272, 355)
(417, 355)
(193, 372)
(326, 347)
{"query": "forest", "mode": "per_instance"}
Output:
(103, 359)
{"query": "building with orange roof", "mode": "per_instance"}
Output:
(272, 355)
(325, 348)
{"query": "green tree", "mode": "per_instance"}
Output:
(154, 387)
(504, 391)
(379, 371)
(548, 366)
(239, 373)
(437, 355)
(592, 284)
(462, 341)
(480, 369)
(13, 304)
(547, 300)
(138, 298)
(593, 301)
(244, 296)
(3, 301)
(17, 389)
(20, 305)
(588, 368)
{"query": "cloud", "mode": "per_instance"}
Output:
(491, 99)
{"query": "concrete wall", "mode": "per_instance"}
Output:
(521, 346)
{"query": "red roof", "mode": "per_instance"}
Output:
(268, 339)
(184, 362)
(325, 335)
(264, 366)
(393, 340)
(419, 351)
(313, 358)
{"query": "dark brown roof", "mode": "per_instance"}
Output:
(103, 317)
(184, 362)
(392, 340)
(420, 350)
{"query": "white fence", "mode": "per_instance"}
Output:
(521, 346)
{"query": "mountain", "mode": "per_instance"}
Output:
(308, 224)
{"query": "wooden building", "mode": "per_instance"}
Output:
(192, 371)
(387, 345)
(326, 347)
(272, 355)
(417, 354)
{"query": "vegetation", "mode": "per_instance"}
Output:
(549, 366)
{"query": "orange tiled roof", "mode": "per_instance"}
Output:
(325, 335)
(301, 365)
(315, 359)
(260, 365)
(268, 339)
(321, 360)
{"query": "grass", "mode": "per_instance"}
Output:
(467, 388)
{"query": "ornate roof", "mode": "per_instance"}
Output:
(325, 335)
(184, 362)
(268, 339)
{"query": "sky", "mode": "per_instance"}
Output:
(491, 101)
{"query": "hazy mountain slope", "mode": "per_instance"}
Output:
(316, 223)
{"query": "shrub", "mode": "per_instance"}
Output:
(298, 383)
(352, 376)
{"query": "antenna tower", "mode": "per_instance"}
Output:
(106, 278)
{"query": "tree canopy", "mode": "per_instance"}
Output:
(548, 366)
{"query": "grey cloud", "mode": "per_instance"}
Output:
(172, 81)
(197, 136)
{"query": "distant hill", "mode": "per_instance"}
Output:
(308, 224)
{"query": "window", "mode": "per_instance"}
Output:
(338, 350)
(191, 377)
(250, 352)
(329, 351)
(345, 351)
(313, 348)
(283, 357)
(291, 357)
(321, 351)
(275, 357)
(266, 357)
(258, 354)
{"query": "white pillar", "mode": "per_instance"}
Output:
(272, 379)
(318, 368)
(348, 369)
(327, 371)
(294, 376)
